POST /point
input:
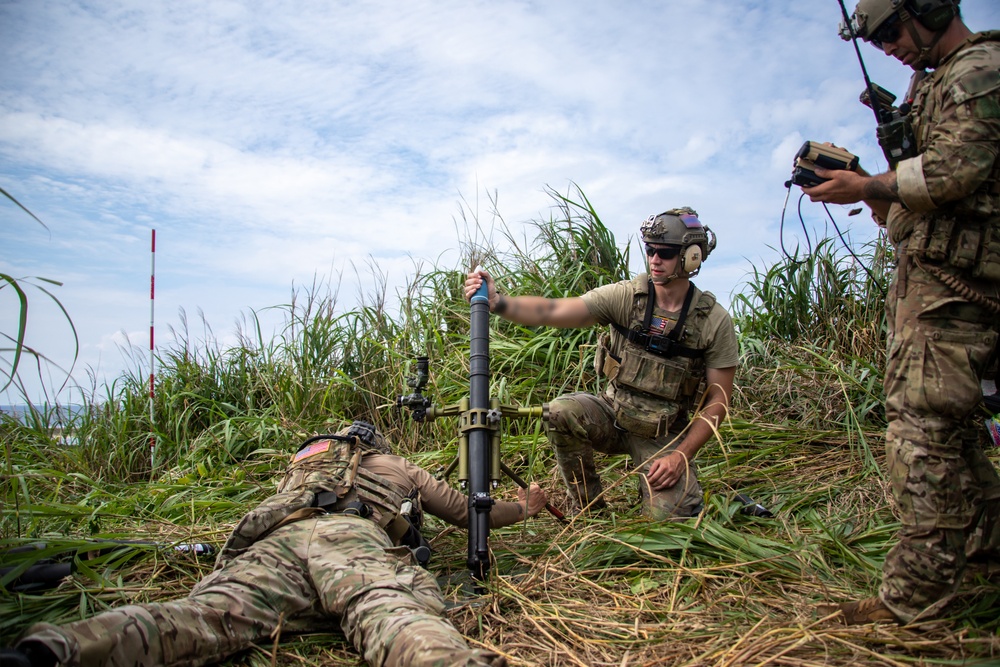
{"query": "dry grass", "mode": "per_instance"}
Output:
(723, 615)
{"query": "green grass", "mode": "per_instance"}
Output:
(804, 438)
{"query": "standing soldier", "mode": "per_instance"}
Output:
(339, 542)
(941, 208)
(668, 342)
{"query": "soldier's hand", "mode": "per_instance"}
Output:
(533, 500)
(844, 187)
(667, 470)
(475, 280)
(857, 169)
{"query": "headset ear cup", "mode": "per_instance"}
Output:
(937, 18)
(691, 259)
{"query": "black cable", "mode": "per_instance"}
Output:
(781, 238)
(781, 228)
(857, 259)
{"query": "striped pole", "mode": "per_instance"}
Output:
(152, 358)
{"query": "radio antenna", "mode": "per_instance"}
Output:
(872, 97)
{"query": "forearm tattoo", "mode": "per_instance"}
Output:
(510, 308)
(538, 312)
(877, 190)
(544, 308)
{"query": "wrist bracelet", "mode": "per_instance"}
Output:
(501, 305)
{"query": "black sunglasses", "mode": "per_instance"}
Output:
(887, 33)
(669, 252)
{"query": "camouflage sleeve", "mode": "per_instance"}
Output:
(962, 147)
(450, 505)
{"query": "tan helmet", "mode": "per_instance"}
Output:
(681, 227)
(870, 14)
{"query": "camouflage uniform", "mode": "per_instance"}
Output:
(941, 337)
(648, 398)
(292, 567)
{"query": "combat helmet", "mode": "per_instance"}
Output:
(869, 15)
(370, 438)
(681, 227)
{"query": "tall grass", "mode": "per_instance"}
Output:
(812, 339)
(803, 439)
(14, 345)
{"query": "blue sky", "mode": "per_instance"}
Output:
(268, 143)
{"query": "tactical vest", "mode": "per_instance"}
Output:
(965, 233)
(325, 476)
(653, 393)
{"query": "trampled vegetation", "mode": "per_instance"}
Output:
(804, 439)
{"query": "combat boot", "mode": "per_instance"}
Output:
(583, 486)
(27, 654)
(870, 610)
(11, 657)
(587, 510)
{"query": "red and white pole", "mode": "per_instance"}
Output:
(152, 358)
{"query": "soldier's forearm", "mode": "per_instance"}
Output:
(881, 188)
(531, 311)
(703, 427)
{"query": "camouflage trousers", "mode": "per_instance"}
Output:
(580, 424)
(306, 576)
(947, 491)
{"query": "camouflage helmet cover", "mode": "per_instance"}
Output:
(680, 227)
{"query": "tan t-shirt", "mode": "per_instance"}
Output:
(613, 303)
(436, 496)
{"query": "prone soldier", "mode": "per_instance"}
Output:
(339, 542)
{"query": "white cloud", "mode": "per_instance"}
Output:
(268, 143)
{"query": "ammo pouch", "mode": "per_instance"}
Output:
(666, 378)
(605, 363)
(402, 527)
(971, 246)
(641, 377)
(644, 428)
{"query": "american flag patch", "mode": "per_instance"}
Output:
(690, 221)
(312, 450)
(657, 325)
